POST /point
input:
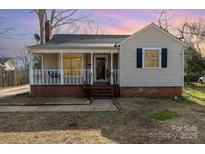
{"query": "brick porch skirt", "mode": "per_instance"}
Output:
(77, 91)
(57, 90)
(150, 91)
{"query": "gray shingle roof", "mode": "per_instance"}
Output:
(79, 38)
(82, 40)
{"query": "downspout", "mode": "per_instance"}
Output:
(182, 68)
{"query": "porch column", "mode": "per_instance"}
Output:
(42, 62)
(111, 65)
(31, 68)
(61, 68)
(91, 67)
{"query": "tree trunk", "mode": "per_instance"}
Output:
(41, 15)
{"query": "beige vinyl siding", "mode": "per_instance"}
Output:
(130, 76)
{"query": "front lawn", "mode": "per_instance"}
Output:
(140, 120)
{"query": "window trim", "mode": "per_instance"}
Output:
(160, 57)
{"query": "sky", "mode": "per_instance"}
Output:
(24, 24)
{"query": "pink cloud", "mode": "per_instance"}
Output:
(127, 27)
(180, 17)
(119, 13)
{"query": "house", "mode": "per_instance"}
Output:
(7, 63)
(149, 62)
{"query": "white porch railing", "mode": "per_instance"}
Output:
(46, 76)
(72, 77)
(53, 76)
(77, 76)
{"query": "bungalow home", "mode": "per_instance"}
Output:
(149, 62)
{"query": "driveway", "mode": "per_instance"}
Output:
(11, 91)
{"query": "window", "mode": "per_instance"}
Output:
(72, 63)
(151, 58)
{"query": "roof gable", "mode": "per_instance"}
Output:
(156, 27)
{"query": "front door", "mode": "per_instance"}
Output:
(100, 68)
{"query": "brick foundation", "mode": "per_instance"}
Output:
(77, 91)
(150, 91)
(57, 90)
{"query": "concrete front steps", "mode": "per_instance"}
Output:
(102, 91)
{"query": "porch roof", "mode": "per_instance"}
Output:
(72, 45)
(75, 50)
(79, 41)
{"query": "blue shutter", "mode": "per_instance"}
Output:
(139, 58)
(164, 58)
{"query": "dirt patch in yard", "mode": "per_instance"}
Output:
(133, 124)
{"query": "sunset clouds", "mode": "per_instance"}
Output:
(129, 21)
(115, 21)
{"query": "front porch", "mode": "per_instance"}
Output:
(75, 68)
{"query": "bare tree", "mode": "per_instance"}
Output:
(23, 58)
(93, 28)
(164, 19)
(57, 19)
(41, 13)
(88, 26)
(192, 32)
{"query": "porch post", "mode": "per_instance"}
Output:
(111, 65)
(42, 62)
(61, 68)
(91, 67)
(31, 68)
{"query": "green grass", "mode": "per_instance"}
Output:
(164, 115)
(195, 92)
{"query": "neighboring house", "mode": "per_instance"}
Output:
(7, 63)
(148, 63)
